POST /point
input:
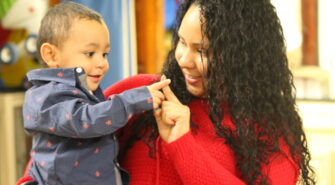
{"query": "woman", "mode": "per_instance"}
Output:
(231, 118)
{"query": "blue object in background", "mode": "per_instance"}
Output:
(170, 13)
(9, 54)
(2, 86)
(119, 17)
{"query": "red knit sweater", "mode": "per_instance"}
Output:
(201, 158)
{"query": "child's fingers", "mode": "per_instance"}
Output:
(159, 95)
(157, 98)
(160, 85)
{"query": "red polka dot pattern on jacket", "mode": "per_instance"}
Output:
(49, 144)
(86, 125)
(97, 150)
(109, 122)
(42, 163)
(97, 174)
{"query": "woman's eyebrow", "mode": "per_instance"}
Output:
(196, 44)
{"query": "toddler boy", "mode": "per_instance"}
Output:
(71, 122)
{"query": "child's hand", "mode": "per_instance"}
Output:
(158, 96)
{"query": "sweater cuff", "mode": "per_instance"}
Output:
(180, 148)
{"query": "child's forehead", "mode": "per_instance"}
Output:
(81, 22)
(83, 31)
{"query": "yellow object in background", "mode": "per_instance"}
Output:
(13, 75)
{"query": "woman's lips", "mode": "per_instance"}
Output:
(192, 79)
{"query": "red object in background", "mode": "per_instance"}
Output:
(3, 35)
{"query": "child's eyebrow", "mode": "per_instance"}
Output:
(92, 44)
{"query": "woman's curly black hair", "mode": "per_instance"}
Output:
(248, 70)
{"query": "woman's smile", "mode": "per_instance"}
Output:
(192, 79)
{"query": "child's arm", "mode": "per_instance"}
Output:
(66, 113)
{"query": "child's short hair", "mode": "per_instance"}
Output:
(57, 22)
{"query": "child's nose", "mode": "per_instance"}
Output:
(101, 62)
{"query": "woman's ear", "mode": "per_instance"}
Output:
(49, 54)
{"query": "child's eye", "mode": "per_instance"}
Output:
(105, 55)
(89, 54)
(182, 42)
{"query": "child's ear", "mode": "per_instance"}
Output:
(49, 54)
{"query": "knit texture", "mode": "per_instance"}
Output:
(196, 158)
(199, 157)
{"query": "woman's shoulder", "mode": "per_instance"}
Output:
(130, 83)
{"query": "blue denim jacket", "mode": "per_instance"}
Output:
(72, 128)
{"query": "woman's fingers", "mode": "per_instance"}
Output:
(169, 95)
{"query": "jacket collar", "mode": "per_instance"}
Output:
(69, 76)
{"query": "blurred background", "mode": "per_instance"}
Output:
(140, 36)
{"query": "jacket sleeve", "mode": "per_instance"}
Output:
(66, 113)
(196, 166)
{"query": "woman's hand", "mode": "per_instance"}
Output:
(173, 119)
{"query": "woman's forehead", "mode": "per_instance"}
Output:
(190, 28)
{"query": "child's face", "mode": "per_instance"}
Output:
(87, 46)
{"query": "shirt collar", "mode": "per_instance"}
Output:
(68, 76)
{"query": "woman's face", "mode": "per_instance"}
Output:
(191, 52)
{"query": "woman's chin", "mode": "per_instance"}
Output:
(195, 91)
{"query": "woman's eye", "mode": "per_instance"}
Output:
(201, 51)
(89, 54)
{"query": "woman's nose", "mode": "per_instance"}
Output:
(186, 59)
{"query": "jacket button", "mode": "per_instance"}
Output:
(79, 70)
(114, 137)
(117, 164)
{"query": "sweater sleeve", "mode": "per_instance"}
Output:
(62, 113)
(130, 83)
(196, 166)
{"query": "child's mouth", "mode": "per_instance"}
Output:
(94, 78)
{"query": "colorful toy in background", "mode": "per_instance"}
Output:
(20, 20)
